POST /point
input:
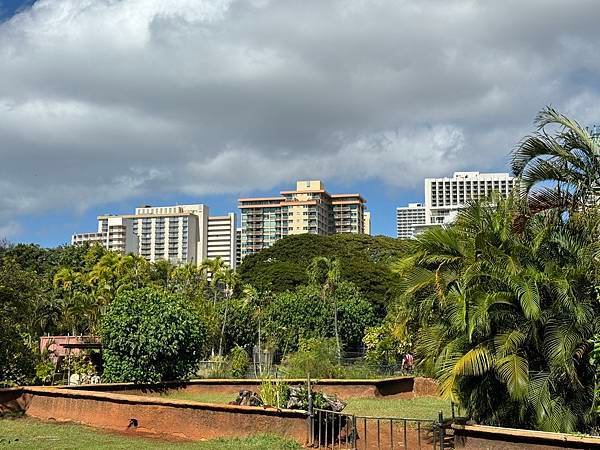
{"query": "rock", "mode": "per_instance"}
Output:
(247, 398)
(332, 403)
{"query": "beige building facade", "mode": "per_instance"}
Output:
(307, 209)
(114, 233)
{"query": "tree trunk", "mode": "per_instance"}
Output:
(335, 327)
(223, 327)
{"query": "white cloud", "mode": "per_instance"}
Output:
(8, 230)
(103, 100)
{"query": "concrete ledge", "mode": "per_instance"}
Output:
(492, 438)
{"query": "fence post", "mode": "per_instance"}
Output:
(311, 414)
(442, 430)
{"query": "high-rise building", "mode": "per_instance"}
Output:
(367, 222)
(221, 241)
(174, 233)
(114, 233)
(408, 218)
(307, 209)
(238, 246)
(445, 197)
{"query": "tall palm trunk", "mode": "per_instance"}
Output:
(335, 327)
(223, 327)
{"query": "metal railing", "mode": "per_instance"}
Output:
(336, 430)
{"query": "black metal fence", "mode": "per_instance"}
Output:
(336, 430)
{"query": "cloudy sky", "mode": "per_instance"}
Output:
(107, 104)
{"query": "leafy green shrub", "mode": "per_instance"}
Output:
(384, 347)
(150, 336)
(315, 357)
(302, 313)
(239, 362)
(44, 369)
(17, 361)
(274, 392)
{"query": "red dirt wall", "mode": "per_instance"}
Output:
(12, 400)
(169, 418)
(478, 437)
(402, 387)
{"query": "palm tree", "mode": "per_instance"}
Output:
(325, 273)
(214, 268)
(187, 280)
(559, 171)
(505, 317)
(230, 281)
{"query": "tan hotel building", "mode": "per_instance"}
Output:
(307, 209)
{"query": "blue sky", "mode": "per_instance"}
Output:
(109, 104)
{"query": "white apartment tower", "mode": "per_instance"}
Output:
(221, 240)
(174, 233)
(445, 197)
(114, 233)
(181, 234)
(408, 218)
(367, 222)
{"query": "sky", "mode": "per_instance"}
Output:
(109, 104)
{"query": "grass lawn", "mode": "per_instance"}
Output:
(417, 408)
(25, 433)
(204, 397)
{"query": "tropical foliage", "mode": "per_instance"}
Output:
(504, 301)
(315, 357)
(303, 313)
(150, 336)
(363, 260)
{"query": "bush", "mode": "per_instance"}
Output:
(239, 362)
(315, 357)
(384, 348)
(292, 316)
(150, 336)
(274, 393)
(17, 361)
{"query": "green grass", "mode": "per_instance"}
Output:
(25, 433)
(417, 408)
(204, 397)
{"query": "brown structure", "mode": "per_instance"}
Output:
(478, 437)
(150, 415)
(108, 407)
(400, 387)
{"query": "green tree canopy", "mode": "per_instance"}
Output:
(364, 260)
(302, 313)
(149, 335)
